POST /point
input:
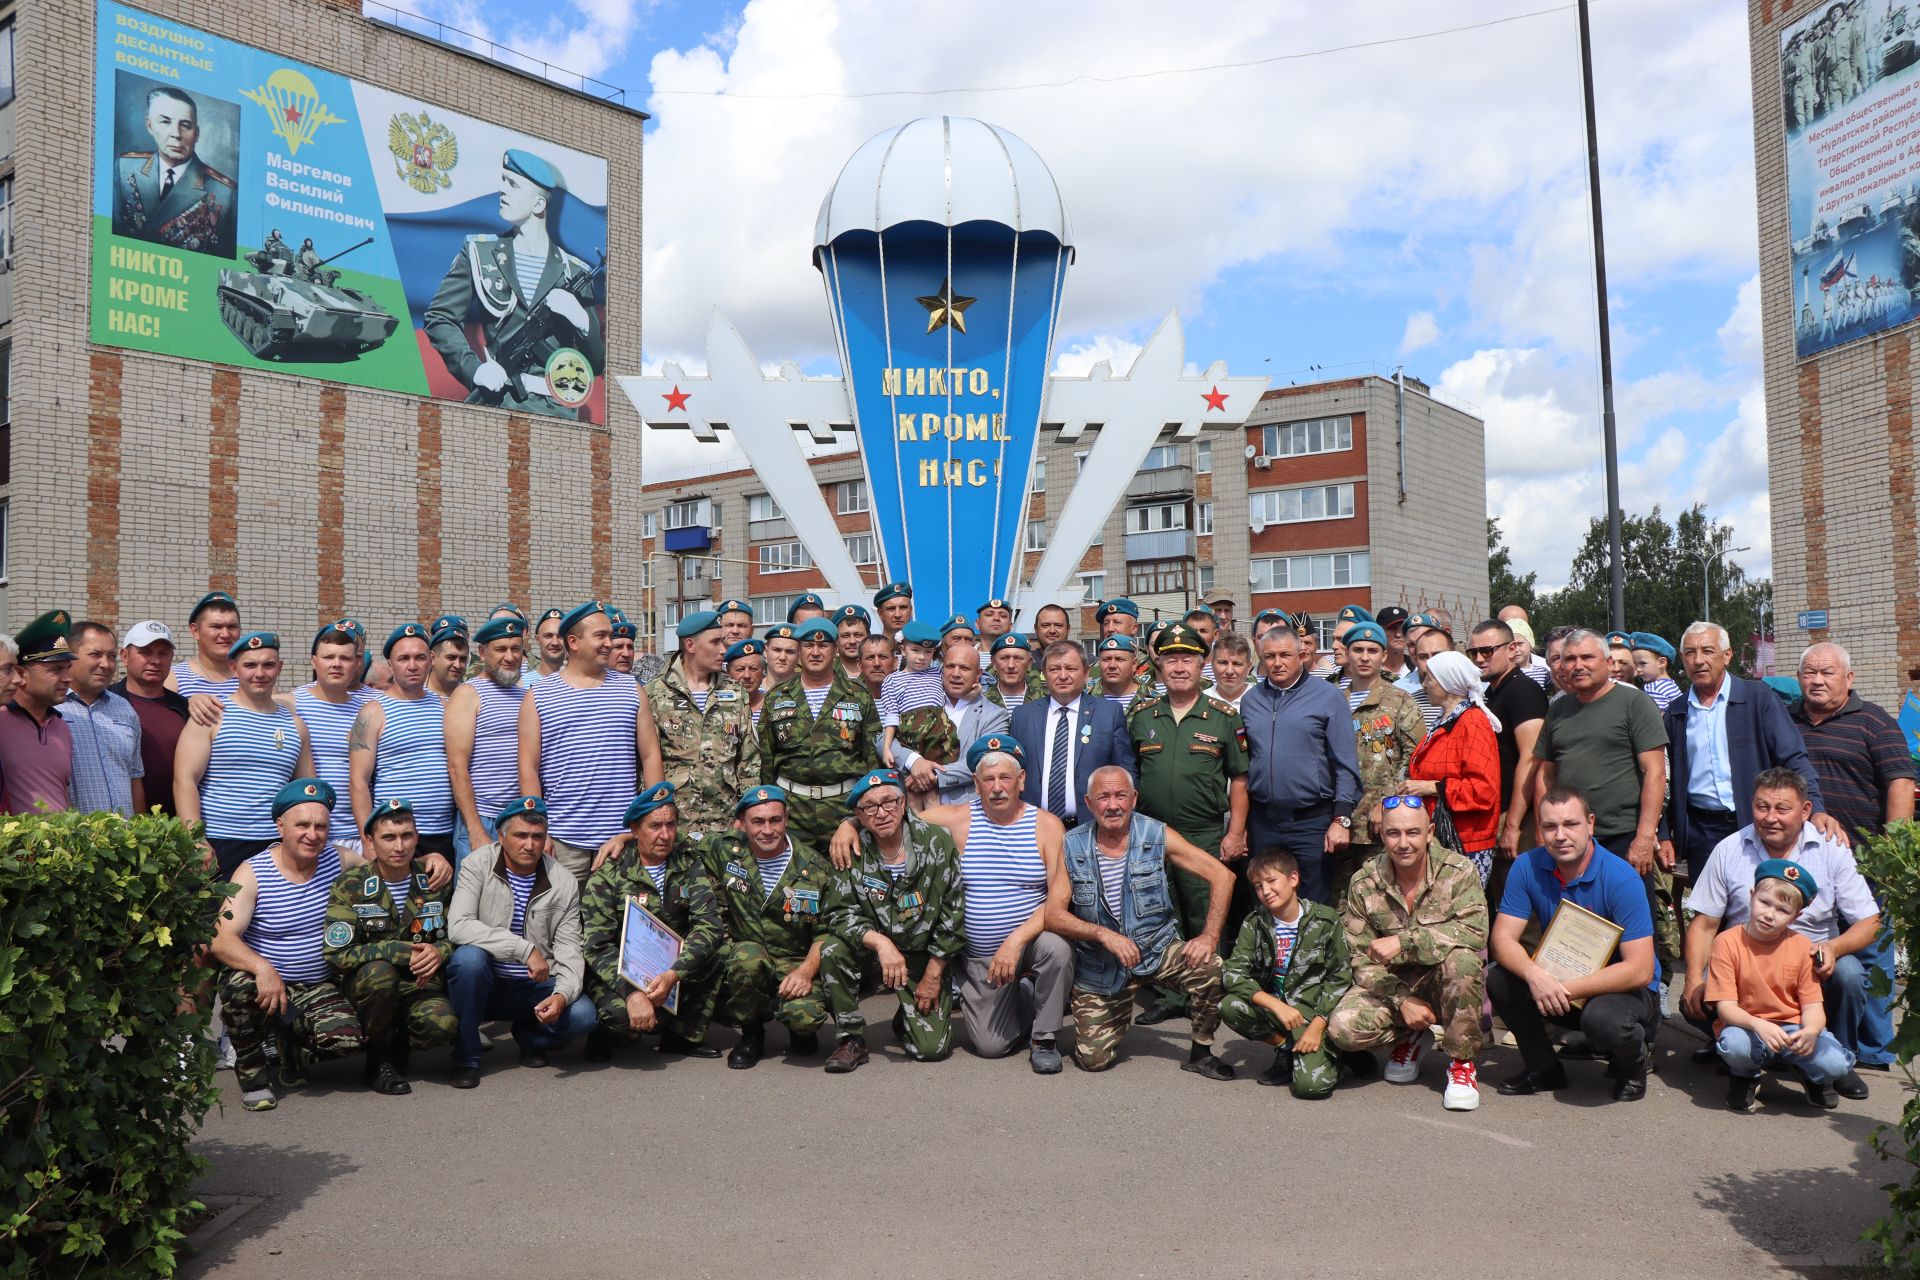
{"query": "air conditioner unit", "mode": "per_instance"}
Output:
(1262, 462)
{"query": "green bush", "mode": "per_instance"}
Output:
(1892, 862)
(99, 919)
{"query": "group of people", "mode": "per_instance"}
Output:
(1336, 854)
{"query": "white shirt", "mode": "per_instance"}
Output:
(1724, 888)
(1055, 709)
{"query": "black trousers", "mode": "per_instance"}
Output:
(1705, 829)
(1621, 1024)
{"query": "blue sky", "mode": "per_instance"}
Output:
(1406, 184)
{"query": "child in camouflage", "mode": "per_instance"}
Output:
(1288, 970)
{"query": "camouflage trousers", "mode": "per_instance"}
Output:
(386, 1002)
(1100, 1020)
(319, 1018)
(1456, 990)
(929, 1035)
(699, 993)
(1341, 867)
(1314, 1074)
(1667, 924)
(753, 976)
(813, 822)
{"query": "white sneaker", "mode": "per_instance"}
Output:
(223, 1057)
(1403, 1064)
(1463, 1086)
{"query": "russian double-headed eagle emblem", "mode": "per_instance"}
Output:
(424, 151)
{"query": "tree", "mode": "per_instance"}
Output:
(1504, 586)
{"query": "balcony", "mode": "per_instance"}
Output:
(769, 530)
(1161, 482)
(1164, 544)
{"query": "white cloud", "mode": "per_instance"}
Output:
(1422, 331)
(576, 38)
(1740, 334)
(1075, 361)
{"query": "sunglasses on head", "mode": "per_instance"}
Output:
(1395, 802)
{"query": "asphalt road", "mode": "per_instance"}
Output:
(663, 1167)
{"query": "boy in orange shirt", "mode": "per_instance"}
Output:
(1766, 999)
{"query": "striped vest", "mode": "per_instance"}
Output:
(290, 920)
(252, 757)
(191, 683)
(495, 770)
(410, 761)
(589, 766)
(1003, 876)
(328, 724)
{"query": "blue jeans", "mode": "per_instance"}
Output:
(1747, 1055)
(479, 994)
(1857, 1020)
(463, 843)
(1304, 837)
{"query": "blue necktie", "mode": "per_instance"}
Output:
(1057, 764)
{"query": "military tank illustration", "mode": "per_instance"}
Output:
(290, 308)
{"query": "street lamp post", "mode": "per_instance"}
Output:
(1706, 578)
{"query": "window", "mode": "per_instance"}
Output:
(761, 506)
(650, 524)
(699, 568)
(1318, 435)
(691, 514)
(1202, 456)
(1095, 584)
(1150, 577)
(1292, 506)
(1036, 535)
(1166, 515)
(1161, 455)
(670, 613)
(1040, 475)
(784, 557)
(1203, 518)
(768, 610)
(1206, 580)
(1323, 632)
(646, 574)
(4, 530)
(852, 497)
(6, 221)
(6, 62)
(648, 628)
(1308, 573)
(862, 547)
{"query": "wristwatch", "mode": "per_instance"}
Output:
(1345, 822)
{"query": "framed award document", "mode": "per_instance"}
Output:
(1577, 943)
(648, 949)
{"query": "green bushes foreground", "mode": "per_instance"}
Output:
(1892, 861)
(99, 920)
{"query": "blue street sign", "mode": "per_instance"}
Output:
(1811, 620)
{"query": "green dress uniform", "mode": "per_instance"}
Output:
(1316, 975)
(196, 212)
(369, 943)
(711, 757)
(816, 760)
(688, 904)
(1387, 726)
(769, 934)
(921, 910)
(1187, 766)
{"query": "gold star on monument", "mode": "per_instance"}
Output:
(946, 307)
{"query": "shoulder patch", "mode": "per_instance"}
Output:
(339, 934)
(1220, 704)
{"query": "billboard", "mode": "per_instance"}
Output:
(255, 211)
(1850, 73)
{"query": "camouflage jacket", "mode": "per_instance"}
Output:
(1387, 726)
(921, 911)
(1318, 973)
(710, 756)
(838, 747)
(1036, 688)
(785, 921)
(364, 923)
(930, 732)
(689, 906)
(1448, 913)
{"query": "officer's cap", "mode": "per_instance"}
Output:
(1178, 637)
(45, 638)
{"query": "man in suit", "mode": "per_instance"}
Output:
(1069, 735)
(169, 195)
(974, 716)
(1722, 735)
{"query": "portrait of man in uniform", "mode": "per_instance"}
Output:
(523, 296)
(167, 186)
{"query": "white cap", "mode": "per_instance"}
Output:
(142, 634)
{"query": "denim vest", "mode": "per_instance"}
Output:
(1146, 905)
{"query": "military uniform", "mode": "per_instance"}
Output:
(817, 761)
(369, 943)
(921, 910)
(1387, 726)
(196, 213)
(689, 905)
(1036, 689)
(769, 934)
(1442, 933)
(1316, 977)
(1187, 768)
(709, 756)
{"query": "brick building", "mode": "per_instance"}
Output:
(145, 480)
(1303, 508)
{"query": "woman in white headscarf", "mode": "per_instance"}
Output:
(1458, 764)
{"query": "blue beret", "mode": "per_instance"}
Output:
(1115, 644)
(766, 793)
(657, 796)
(303, 791)
(918, 632)
(1119, 604)
(1792, 872)
(852, 613)
(1423, 620)
(508, 606)
(1005, 743)
(779, 631)
(1201, 611)
(734, 606)
(1371, 632)
(1652, 644)
(995, 603)
(579, 614)
(1272, 615)
(748, 648)
(405, 631)
(694, 623)
(249, 642)
(210, 600)
(1353, 613)
(347, 627)
(1620, 639)
(815, 627)
(875, 778)
(958, 622)
(534, 169)
(388, 809)
(1011, 640)
(623, 626)
(500, 629)
(893, 591)
(448, 626)
(522, 807)
(556, 614)
(806, 600)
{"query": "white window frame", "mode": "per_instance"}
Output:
(768, 610)
(1203, 517)
(863, 548)
(1205, 577)
(1296, 503)
(650, 524)
(1202, 457)
(1341, 569)
(762, 506)
(1170, 516)
(788, 556)
(689, 513)
(1094, 584)
(1036, 535)
(1040, 474)
(851, 498)
(1168, 455)
(1307, 437)
(646, 574)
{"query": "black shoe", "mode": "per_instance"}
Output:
(1882, 1067)
(1156, 1013)
(1529, 1082)
(1741, 1091)
(530, 1057)
(1851, 1087)
(899, 1024)
(400, 1052)
(1209, 1066)
(803, 1045)
(1281, 1072)
(599, 1046)
(1360, 1064)
(1824, 1096)
(679, 1045)
(382, 1078)
(1630, 1086)
(752, 1047)
(465, 1078)
(1706, 1054)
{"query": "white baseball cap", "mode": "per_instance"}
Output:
(142, 634)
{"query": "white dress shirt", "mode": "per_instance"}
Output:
(1072, 711)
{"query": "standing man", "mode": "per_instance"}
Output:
(1121, 617)
(1050, 626)
(1117, 680)
(893, 602)
(36, 743)
(447, 647)
(805, 607)
(736, 620)
(1387, 727)
(703, 722)
(1521, 707)
(993, 620)
(214, 624)
(851, 627)
(972, 715)
(147, 656)
(397, 749)
(1867, 776)
(783, 654)
(1070, 734)
(1014, 679)
(483, 734)
(620, 658)
(1651, 659)
(1222, 607)
(877, 661)
(1303, 772)
(819, 733)
(328, 708)
(107, 770)
(229, 773)
(550, 646)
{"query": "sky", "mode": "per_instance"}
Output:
(1402, 182)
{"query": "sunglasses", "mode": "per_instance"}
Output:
(1480, 651)
(1395, 802)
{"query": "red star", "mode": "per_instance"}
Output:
(677, 399)
(293, 115)
(1216, 399)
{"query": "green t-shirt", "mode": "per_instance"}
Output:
(1594, 746)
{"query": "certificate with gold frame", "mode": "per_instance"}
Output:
(1578, 943)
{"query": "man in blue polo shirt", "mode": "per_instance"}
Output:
(1617, 1007)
